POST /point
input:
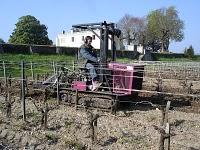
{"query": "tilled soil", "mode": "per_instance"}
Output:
(68, 128)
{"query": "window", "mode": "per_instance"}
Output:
(93, 37)
(82, 38)
(72, 39)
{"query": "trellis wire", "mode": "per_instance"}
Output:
(156, 66)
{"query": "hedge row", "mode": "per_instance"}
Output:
(41, 49)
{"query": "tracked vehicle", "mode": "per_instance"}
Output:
(119, 80)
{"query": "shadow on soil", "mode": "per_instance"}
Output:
(145, 103)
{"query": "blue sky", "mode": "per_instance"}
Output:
(60, 15)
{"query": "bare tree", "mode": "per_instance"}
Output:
(133, 29)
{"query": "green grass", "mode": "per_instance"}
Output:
(194, 59)
(124, 60)
(35, 58)
(42, 64)
(176, 59)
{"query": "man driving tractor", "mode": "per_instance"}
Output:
(87, 58)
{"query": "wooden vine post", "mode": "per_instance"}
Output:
(45, 110)
(93, 126)
(164, 130)
(23, 91)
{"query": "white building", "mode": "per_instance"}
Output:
(134, 47)
(76, 39)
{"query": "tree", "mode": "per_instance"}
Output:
(164, 25)
(1, 41)
(29, 31)
(189, 52)
(133, 28)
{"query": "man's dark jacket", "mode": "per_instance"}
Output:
(86, 55)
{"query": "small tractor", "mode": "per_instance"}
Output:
(120, 81)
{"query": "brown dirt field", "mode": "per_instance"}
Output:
(129, 129)
(68, 129)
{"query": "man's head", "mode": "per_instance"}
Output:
(88, 40)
